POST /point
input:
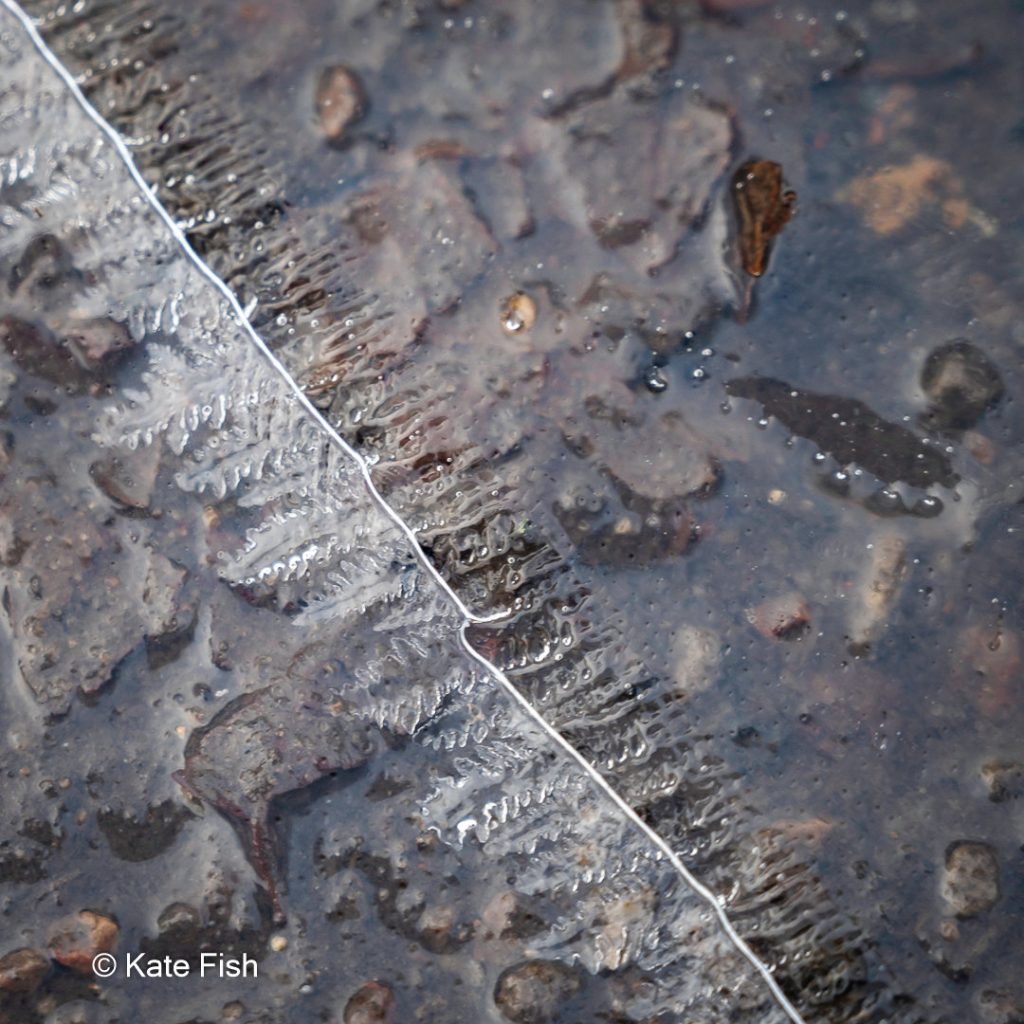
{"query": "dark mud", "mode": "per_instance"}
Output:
(781, 619)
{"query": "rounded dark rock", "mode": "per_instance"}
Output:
(142, 837)
(22, 970)
(533, 992)
(961, 383)
(373, 1003)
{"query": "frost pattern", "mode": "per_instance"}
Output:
(319, 552)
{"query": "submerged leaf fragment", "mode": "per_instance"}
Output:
(763, 208)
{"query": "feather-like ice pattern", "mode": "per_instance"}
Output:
(347, 576)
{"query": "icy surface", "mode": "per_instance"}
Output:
(298, 586)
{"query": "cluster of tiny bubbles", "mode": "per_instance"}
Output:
(699, 373)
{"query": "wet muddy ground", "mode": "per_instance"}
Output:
(686, 334)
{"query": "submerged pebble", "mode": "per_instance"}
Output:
(879, 588)
(783, 617)
(517, 313)
(340, 101)
(1004, 779)
(961, 383)
(75, 940)
(374, 1003)
(696, 653)
(22, 970)
(533, 992)
(970, 881)
(94, 341)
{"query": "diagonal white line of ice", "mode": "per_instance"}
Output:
(469, 617)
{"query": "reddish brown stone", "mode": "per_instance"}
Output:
(75, 940)
(22, 970)
(374, 1003)
(783, 617)
(340, 101)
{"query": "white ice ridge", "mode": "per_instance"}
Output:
(468, 617)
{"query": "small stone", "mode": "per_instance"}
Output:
(22, 970)
(426, 842)
(998, 1006)
(374, 1003)
(179, 917)
(517, 313)
(129, 477)
(961, 383)
(665, 459)
(533, 992)
(278, 943)
(340, 101)
(512, 915)
(435, 924)
(970, 882)
(626, 526)
(878, 590)
(35, 349)
(94, 342)
(1005, 780)
(784, 617)
(696, 654)
(75, 940)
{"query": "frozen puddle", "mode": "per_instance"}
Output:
(209, 610)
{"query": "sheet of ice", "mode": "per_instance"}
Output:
(271, 577)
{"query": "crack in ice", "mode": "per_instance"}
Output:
(468, 616)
